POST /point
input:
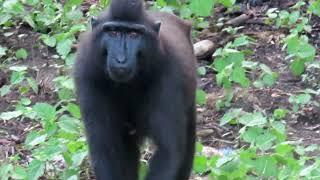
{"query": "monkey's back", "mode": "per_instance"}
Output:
(175, 36)
(174, 30)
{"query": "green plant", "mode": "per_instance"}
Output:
(267, 77)
(302, 99)
(228, 63)
(268, 154)
(298, 48)
(301, 52)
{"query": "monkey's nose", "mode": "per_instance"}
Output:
(121, 59)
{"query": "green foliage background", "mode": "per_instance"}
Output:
(60, 137)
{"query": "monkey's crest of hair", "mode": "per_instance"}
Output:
(128, 10)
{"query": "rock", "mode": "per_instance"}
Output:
(203, 48)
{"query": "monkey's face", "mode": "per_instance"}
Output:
(125, 45)
(123, 48)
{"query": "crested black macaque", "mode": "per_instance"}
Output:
(135, 75)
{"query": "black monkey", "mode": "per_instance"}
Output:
(136, 77)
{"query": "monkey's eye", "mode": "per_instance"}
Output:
(114, 33)
(133, 34)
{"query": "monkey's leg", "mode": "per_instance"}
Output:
(168, 128)
(186, 168)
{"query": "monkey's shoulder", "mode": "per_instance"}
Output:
(171, 22)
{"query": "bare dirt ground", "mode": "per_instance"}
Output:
(304, 126)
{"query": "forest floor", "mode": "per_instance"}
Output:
(303, 126)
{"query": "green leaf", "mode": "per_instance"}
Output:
(265, 141)
(45, 111)
(23, 89)
(16, 77)
(300, 99)
(21, 54)
(33, 84)
(201, 71)
(13, 6)
(34, 138)
(227, 3)
(48, 40)
(220, 64)
(312, 147)
(200, 97)
(69, 125)
(77, 28)
(265, 69)
(251, 134)
(307, 171)
(70, 174)
(294, 16)
(199, 147)
(280, 113)
(74, 15)
(185, 12)
(203, 24)
(65, 94)
(64, 47)
(35, 169)
(297, 67)
(4, 90)
(269, 79)
(71, 3)
(5, 169)
(201, 7)
(19, 173)
(234, 58)
(74, 110)
(253, 119)
(4, 18)
(29, 20)
(266, 166)
(306, 51)
(223, 79)
(224, 160)
(231, 115)
(2, 51)
(70, 59)
(25, 101)
(32, 2)
(241, 41)
(50, 150)
(239, 75)
(200, 164)
(301, 49)
(10, 115)
(284, 149)
(78, 158)
(315, 7)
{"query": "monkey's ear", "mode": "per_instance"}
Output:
(157, 26)
(94, 22)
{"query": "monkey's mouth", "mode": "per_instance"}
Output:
(120, 74)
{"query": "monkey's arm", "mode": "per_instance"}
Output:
(103, 133)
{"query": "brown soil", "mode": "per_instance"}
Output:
(304, 125)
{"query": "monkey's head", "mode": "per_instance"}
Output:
(125, 46)
(126, 39)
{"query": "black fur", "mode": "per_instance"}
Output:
(135, 78)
